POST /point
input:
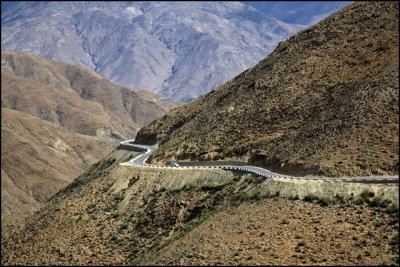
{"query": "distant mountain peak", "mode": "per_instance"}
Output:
(177, 49)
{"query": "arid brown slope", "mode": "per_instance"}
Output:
(77, 118)
(325, 102)
(125, 215)
(39, 158)
(75, 98)
(284, 232)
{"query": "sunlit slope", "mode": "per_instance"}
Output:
(324, 102)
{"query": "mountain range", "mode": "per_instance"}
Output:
(176, 49)
(325, 102)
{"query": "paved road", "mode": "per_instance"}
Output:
(141, 161)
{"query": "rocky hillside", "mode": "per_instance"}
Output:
(177, 49)
(57, 120)
(325, 102)
(118, 214)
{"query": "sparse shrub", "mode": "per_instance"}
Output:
(370, 233)
(211, 187)
(258, 179)
(285, 221)
(189, 187)
(395, 240)
(301, 243)
(113, 236)
(167, 241)
(393, 209)
(324, 201)
(296, 197)
(186, 187)
(123, 226)
(256, 195)
(375, 202)
(366, 194)
(359, 201)
(248, 180)
(236, 178)
(241, 196)
(316, 220)
(102, 234)
(133, 180)
(340, 198)
(91, 206)
(104, 189)
(310, 198)
(95, 165)
(109, 162)
(119, 197)
(385, 203)
(134, 240)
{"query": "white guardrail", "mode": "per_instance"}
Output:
(141, 161)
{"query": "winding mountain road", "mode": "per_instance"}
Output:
(141, 161)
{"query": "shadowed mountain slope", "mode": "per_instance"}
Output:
(325, 102)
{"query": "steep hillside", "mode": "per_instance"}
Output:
(325, 102)
(75, 98)
(177, 49)
(118, 214)
(57, 120)
(39, 158)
